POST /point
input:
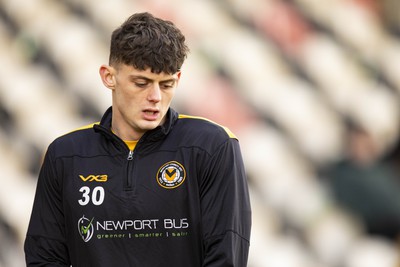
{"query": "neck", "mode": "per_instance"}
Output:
(123, 130)
(125, 136)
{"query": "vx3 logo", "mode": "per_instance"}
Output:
(94, 178)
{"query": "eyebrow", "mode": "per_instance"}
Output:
(135, 77)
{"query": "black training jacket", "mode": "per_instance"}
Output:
(180, 199)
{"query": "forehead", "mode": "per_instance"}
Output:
(132, 72)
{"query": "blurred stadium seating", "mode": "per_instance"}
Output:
(283, 75)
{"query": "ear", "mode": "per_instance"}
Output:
(107, 74)
(179, 76)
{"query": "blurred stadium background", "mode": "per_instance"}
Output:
(286, 76)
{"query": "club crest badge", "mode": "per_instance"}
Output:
(171, 175)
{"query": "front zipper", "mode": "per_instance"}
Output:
(130, 158)
(128, 171)
(130, 180)
(131, 165)
(130, 155)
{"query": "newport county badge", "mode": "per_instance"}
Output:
(171, 175)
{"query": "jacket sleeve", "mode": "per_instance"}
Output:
(225, 206)
(45, 243)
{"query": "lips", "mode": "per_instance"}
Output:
(151, 114)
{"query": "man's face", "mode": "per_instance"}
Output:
(140, 99)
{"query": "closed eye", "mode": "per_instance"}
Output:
(141, 85)
(167, 86)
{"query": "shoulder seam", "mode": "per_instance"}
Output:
(89, 126)
(227, 130)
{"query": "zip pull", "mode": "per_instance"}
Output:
(130, 155)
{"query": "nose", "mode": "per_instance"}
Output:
(154, 94)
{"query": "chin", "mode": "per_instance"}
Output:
(147, 126)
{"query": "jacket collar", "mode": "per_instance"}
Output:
(152, 135)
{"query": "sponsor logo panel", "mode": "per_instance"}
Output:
(92, 228)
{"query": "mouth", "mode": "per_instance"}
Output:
(151, 114)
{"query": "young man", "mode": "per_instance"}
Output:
(146, 186)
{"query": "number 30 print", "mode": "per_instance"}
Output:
(97, 196)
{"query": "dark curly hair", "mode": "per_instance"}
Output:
(144, 41)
